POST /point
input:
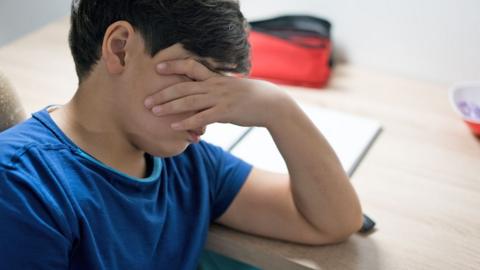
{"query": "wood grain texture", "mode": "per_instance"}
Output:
(420, 181)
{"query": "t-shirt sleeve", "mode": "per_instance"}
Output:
(230, 173)
(30, 227)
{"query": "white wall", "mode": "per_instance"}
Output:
(430, 39)
(19, 17)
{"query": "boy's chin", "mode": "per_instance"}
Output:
(170, 151)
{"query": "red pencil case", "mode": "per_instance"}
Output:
(292, 50)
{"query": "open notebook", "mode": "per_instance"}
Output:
(349, 135)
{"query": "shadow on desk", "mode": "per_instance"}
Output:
(359, 252)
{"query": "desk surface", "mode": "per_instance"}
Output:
(420, 181)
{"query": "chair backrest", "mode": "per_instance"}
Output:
(11, 110)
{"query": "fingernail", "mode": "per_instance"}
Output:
(157, 110)
(149, 103)
(176, 126)
(162, 66)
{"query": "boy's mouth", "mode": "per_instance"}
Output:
(196, 134)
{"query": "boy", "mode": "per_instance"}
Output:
(118, 177)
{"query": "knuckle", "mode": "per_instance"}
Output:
(191, 63)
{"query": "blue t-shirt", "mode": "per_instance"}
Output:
(62, 209)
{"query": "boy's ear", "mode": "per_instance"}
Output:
(117, 43)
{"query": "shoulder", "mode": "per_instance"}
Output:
(16, 141)
(25, 141)
(28, 161)
(28, 184)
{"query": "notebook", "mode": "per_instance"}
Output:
(349, 135)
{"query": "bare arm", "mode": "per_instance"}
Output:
(315, 204)
(319, 201)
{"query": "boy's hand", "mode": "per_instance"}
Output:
(215, 98)
(316, 197)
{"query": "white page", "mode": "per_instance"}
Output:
(224, 135)
(349, 135)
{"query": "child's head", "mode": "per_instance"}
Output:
(206, 28)
(116, 45)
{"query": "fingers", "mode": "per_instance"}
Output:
(186, 104)
(198, 120)
(174, 92)
(189, 67)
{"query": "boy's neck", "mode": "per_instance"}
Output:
(89, 122)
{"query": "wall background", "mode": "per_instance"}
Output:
(19, 17)
(430, 39)
(437, 40)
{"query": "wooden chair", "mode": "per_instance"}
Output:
(11, 110)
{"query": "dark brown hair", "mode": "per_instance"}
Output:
(207, 28)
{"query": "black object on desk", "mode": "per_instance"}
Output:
(368, 224)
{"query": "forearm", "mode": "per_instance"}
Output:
(323, 204)
(320, 188)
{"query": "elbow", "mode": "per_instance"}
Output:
(343, 229)
(338, 231)
(341, 235)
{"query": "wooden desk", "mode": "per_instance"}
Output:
(421, 180)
